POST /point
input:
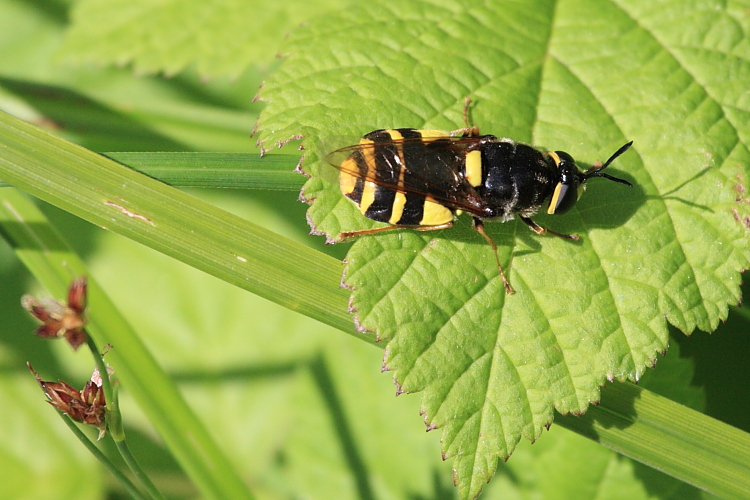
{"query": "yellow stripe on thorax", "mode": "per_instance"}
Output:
(554, 156)
(474, 167)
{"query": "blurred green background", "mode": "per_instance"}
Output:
(301, 409)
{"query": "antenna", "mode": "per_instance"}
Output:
(596, 171)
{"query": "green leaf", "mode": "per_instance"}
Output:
(219, 38)
(581, 76)
(564, 465)
(109, 109)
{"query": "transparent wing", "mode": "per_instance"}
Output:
(428, 167)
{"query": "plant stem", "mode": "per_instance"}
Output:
(106, 462)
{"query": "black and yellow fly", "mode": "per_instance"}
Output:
(423, 179)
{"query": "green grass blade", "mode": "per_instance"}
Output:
(51, 261)
(214, 170)
(670, 437)
(117, 198)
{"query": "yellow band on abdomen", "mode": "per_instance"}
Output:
(435, 214)
(397, 209)
(368, 196)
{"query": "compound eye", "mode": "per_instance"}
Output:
(565, 158)
(566, 192)
(564, 197)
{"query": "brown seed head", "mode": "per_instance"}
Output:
(86, 406)
(60, 320)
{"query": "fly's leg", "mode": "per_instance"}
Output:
(468, 130)
(351, 234)
(542, 231)
(479, 226)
